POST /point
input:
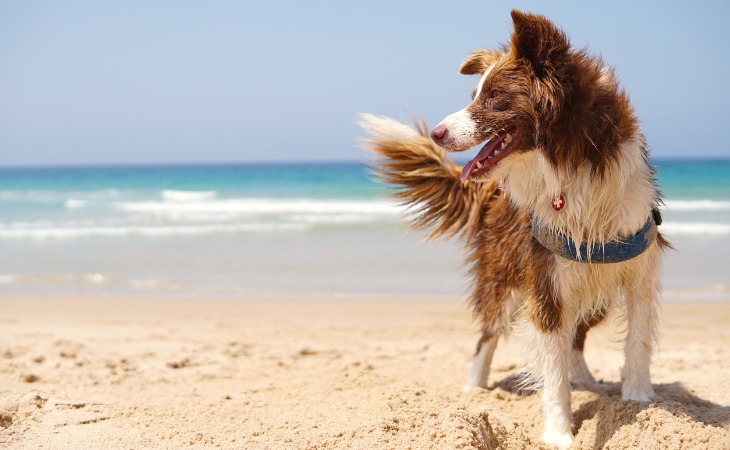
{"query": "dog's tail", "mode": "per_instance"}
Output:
(425, 180)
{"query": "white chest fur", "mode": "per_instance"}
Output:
(597, 209)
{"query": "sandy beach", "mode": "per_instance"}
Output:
(348, 373)
(202, 245)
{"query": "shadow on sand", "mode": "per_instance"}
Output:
(675, 414)
(673, 400)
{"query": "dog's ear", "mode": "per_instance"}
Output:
(539, 41)
(478, 62)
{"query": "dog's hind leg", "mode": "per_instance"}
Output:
(580, 376)
(482, 361)
(496, 305)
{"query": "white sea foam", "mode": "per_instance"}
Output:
(697, 205)
(334, 219)
(74, 204)
(187, 196)
(52, 196)
(695, 228)
(202, 217)
(66, 233)
(265, 206)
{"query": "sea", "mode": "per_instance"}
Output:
(273, 230)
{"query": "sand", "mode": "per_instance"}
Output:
(349, 373)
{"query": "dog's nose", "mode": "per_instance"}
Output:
(439, 134)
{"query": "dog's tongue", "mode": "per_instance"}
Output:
(481, 156)
(466, 170)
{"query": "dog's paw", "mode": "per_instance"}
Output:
(473, 385)
(638, 394)
(477, 378)
(580, 376)
(592, 386)
(557, 439)
(582, 380)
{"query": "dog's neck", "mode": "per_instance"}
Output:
(598, 209)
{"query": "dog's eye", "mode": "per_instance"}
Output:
(495, 93)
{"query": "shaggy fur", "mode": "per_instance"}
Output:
(555, 122)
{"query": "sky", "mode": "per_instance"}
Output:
(139, 82)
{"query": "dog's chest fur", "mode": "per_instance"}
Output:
(598, 210)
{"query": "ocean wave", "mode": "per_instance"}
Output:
(60, 278)
(59, 195)
(695, 228)
(182, 201)
(334, 219)
(697, 205)
(300, 223)
(74, 204)
(187, 196)
(62, 233)
(265, 206)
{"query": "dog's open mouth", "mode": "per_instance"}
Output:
(503, 142)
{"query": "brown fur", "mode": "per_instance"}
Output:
(576, 107)
(538, 95)
(585, 325)
(501, 250)
(565, 104)
(428, 181)
(478, 62)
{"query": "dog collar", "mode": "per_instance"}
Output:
(601, 253)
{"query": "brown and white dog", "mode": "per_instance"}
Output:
(564, 153)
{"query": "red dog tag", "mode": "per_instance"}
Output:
(558, 202)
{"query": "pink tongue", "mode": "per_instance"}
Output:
(481, 156)
(466, 170)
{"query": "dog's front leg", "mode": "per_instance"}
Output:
(555, 348)
(554, 320)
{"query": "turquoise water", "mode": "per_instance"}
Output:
(694, 179)
(73, 203)
(251, 229)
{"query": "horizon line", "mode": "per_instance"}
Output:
(140, 164)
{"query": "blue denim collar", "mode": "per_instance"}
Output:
(612, 252)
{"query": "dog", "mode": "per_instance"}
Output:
(558, 211)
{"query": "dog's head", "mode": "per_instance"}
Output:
(537, 94)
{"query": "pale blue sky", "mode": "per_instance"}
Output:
(99, 82)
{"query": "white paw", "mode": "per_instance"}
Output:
(559, 439)
(593, 386)
(477, 378)
(637, 394)
(472, 385)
